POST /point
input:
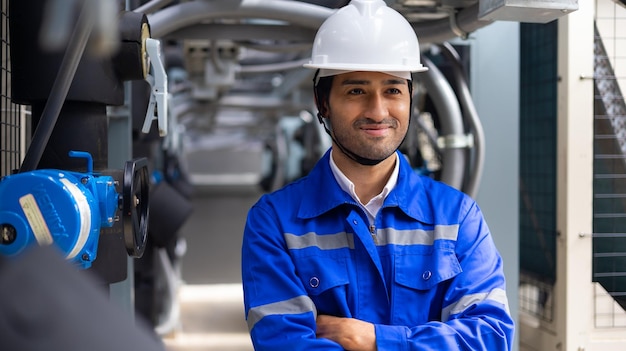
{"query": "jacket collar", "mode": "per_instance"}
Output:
(322, 193)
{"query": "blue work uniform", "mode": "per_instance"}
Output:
(426, 273)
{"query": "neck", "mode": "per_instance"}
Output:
(368, 181)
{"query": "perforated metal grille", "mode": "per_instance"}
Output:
(609, 188)
(13, 117)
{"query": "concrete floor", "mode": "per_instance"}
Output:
(211, 299)
(211, 320)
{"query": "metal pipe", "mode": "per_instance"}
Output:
(172, 281)
(441, 30)
(184, 14)
(306, 15)
(245, 32)
(273, 67)
(152, 6)
(476, 128)
(451, 120)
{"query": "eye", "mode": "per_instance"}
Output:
(394, 91)
(356, 91)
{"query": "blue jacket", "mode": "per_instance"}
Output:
(427, 275)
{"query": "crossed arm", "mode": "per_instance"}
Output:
(352, 334)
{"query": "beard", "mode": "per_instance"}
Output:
(351, 139)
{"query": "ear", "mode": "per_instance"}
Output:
(322, 108)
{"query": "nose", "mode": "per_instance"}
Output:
(377, 108)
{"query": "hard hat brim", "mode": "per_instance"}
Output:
(368, 68)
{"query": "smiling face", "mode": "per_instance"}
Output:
(369, 113)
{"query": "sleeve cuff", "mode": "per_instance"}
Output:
(391, 337)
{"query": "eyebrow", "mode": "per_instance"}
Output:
(367, 82)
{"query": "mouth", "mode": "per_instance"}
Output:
(376, 130)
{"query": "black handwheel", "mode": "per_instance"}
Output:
(135, 209)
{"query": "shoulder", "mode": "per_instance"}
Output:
(285, 198)
(440, 191)
(432, 201)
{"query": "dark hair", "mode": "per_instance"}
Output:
(322, 92)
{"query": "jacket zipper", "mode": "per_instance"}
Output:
(373, 234)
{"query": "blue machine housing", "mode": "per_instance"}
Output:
(53, 207)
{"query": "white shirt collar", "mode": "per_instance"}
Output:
(374, 205)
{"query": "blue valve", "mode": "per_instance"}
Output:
(56, 207)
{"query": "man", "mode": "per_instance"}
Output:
(363, 253)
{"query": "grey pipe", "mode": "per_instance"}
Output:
(245, 32)
(152, 6)
(171, 309)
(184, 14)
(179, 16)
(441, 30)
(451, 118)
(273, 67)
(476, 128)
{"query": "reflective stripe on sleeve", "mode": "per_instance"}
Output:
(297, 305)
(497, 295)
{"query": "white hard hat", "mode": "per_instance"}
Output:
(366, 35)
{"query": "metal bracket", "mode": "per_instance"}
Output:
(602, 235)
(456, 141)
(158, 82)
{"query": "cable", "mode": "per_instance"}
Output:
(59, 90)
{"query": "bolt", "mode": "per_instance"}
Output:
(8, 234)
(84, 180)
(110, 220)
(85, 257)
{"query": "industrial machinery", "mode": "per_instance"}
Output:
(69, 70)
(68, 209)
(239, 78)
